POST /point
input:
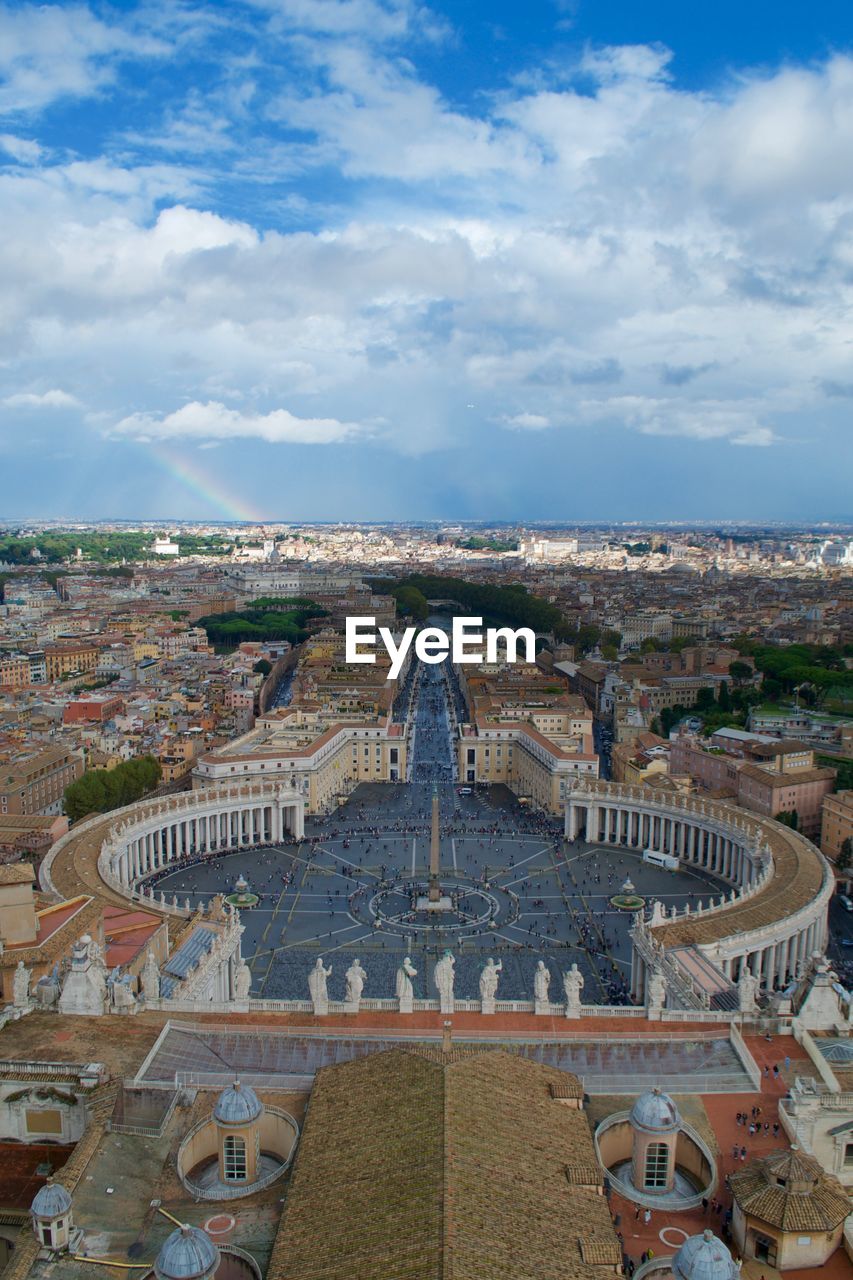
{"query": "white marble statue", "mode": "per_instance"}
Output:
(242, 981)
(317, 979)
(443, 976)
(404, 990)
(122, 999)
(489, 984)
(150, 978)
(355, 980)
(656, 991)
(573, 986)
(747, 989)
(541, 983)
(21, 986)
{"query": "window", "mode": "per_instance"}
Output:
(234, 1152)
(657, 1166)
(848, 1156)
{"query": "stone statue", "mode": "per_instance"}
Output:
(443, 977)
(747, 989)
(355, 979)
(242, 981)
(489, 984)
(122, 998)
(573, 986)
(656, 992)
(541, 983)
(317, 987)
(404, 990)
(21, 986)
(150, 978)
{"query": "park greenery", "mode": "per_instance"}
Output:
(817, 673)
(101, 790)
(106, 546)
(503, 606)
(276, 619)
(478, 543)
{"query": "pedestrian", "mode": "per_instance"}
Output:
(647, 1216)
(743, 1153)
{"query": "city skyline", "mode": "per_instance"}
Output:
(366, 260)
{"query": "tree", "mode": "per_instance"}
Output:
(262, 667)
(789, 819)
(845, 854)
(650, 645)
(100, 790)
(740, 671)
(724, 702)
(609, 652)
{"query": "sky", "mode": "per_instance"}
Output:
(375, 259)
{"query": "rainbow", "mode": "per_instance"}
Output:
(189, 472)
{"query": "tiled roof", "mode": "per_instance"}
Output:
(790, 1190)
(425, 1168)
(17, 873)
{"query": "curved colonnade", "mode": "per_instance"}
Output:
(771, 920)
(775, 914)
(130, 844)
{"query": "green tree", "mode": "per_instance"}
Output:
(740, 671)
(650, 645)
(100, 790)
(845, 854)
(789, 819)
(262, 667)
(724, 702)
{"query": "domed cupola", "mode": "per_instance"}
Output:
(704, 1257)
(655, 1112)
(51, 1215)
(237, 1105)
(187, 1254)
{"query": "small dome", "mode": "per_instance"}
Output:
(237, 1104)
(704, 1258)
(656, 1111)
(51, 1201)
(187, 1254)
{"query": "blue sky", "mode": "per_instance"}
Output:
(359, 259)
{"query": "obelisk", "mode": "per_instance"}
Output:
(434, 851)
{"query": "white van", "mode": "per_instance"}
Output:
(660, 859)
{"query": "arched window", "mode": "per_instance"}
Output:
(234, 1153)
(657, 1166)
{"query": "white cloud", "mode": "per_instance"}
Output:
(214, 421)
(527, 421)
(24, 150)
(55, 399)
(49, 52)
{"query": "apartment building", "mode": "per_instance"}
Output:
(65, 659)
(837, 823)
(34, 782)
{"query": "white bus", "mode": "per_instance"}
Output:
(658, 859)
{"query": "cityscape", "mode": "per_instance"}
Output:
(426, 641)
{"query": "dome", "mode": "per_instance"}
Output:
(51, 1201)
(656, 1111)
(238, 1104)
(704, 1258)
(187, 1254)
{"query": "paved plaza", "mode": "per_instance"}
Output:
(520, 892)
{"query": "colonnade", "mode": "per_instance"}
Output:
(727, 843)
(208, 821)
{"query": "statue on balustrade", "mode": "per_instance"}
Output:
(489, 982)
(443, 977)
(747, 989)
(242, 981)
(317, 979)
(355, 979)
(541, 983)
(150, 978)
(404, 990)
(573, 986)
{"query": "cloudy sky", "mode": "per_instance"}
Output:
(565, 259)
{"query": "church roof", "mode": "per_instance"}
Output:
(789, 1190)
(425, 1166)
